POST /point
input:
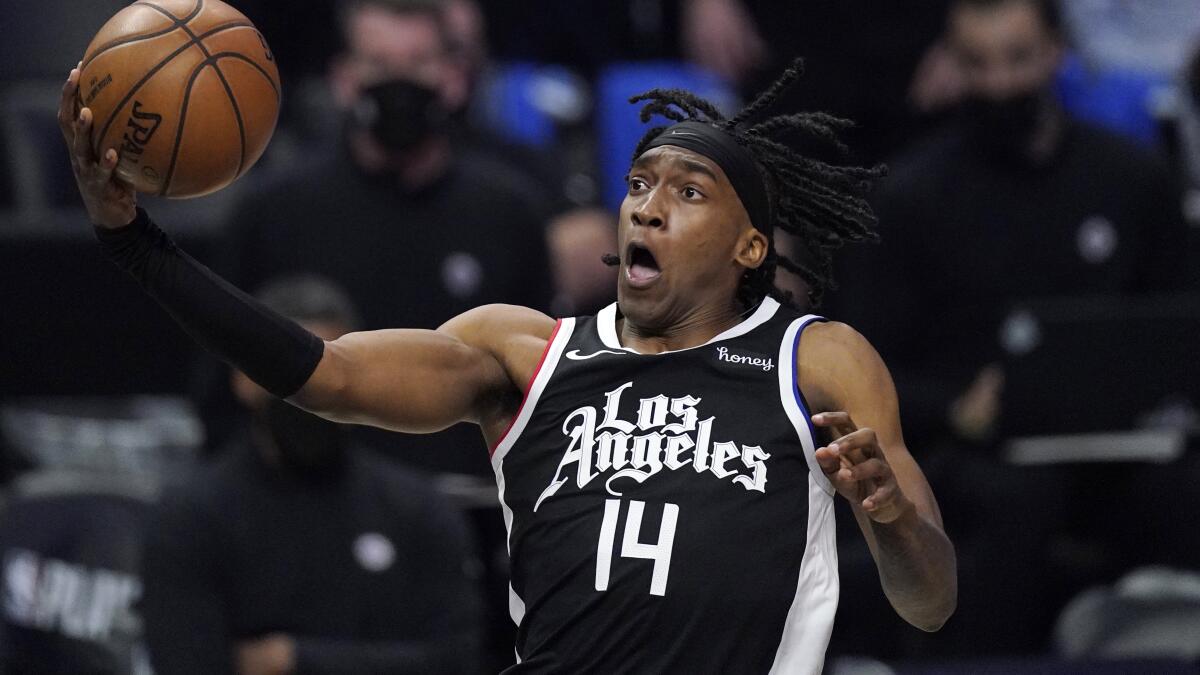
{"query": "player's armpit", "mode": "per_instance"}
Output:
(422, 381)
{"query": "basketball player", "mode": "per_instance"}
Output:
(668, 503)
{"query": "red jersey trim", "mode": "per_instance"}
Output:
(528, 389)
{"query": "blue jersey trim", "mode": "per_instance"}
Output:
(796, 379)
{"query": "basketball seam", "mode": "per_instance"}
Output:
(204, 48)
(125, 41)
(145, 78)
(187, 95)
(237, 114)
(178, 21)
(149, 36)
(235, 55)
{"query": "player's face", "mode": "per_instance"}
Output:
(684, 239)
(1004, 51)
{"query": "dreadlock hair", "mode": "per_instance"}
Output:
(821, 204)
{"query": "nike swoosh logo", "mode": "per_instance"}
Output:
(574, 354)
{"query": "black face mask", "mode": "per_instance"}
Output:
(309, 446)
(1004, 126)
(399, 113)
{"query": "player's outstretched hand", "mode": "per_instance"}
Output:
(109, 202)
(857, 467)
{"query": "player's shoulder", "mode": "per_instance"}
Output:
(502, 319)
(835, 352)
(833, 336)
(499, 328)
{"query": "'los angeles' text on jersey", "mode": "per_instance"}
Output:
(665, 512)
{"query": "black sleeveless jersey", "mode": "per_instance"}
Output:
(665, 512)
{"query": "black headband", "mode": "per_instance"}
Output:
(735, 160)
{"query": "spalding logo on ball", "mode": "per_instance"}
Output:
(186, 91)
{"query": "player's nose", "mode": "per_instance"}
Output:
(649, 211)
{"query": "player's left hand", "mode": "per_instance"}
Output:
(271, 655)
(857, 467)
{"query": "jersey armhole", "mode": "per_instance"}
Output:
(537, 383)
(793, 400)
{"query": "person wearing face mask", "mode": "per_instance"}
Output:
(1011, 201)
(299, 552)
(416, 226)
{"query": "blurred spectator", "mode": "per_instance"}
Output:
(298, 553)
(577, 234)
(415, 227)
(1013, 201)
(720, 35)
(577, 239)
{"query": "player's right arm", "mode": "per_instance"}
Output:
(420, 381)
(406, 380)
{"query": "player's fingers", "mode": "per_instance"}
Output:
(839, 421)
(66, 106)
(106, 166)
(858, 445)
(871, 469)
(829, 460)
(82, 143)
(882, 496)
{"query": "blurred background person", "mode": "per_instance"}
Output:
(960, 251)
(414, 226)
(1013, 201)
(297, 552)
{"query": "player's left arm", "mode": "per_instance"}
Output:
(847, 384)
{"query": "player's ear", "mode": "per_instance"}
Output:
(752, 249)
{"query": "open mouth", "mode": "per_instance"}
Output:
(641, 267)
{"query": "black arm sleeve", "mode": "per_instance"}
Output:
(273, 351)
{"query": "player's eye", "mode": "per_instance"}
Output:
(635, 184)
(690, 192)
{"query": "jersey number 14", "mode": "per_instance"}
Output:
(660, 553)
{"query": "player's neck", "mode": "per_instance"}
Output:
(690, 329)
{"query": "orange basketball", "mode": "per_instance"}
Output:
(186, 91)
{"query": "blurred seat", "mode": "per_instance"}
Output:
(618, 128)
(1127, 102)
(1152, 612)
(528, 102)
